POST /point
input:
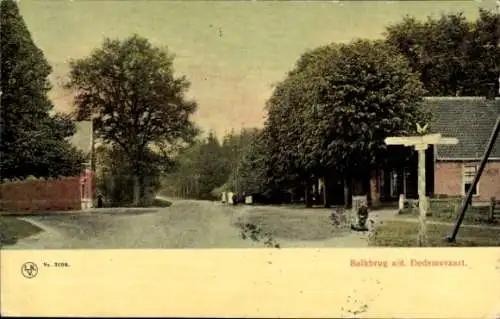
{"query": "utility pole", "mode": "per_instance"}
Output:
(498, 43)
(489, 148)
(467, 199)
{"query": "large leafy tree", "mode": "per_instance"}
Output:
(335, 108)
(283, 132)
(32, 141)
(250, 175)
(482, 66)
(452, 55)
(114, 180)
(212, 166)
(234, 147)
(129, 89)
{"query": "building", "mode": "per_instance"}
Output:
(82, 139)
(450, 169)
(471, 120)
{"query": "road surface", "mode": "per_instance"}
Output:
(185, 224)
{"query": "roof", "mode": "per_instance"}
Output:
(469, 119)
(82, 138)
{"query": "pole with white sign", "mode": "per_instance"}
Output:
(421, 143)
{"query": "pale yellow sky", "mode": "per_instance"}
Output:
(231, 51)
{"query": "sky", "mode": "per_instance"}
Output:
(232, 52)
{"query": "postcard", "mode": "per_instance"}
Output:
(286, 159)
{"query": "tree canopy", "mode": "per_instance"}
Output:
(32, 141)
(335, 108)
(453, 56)
(208, 166)
(129, 89)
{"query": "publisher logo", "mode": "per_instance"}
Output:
(29, 270)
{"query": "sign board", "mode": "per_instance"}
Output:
(416, 140)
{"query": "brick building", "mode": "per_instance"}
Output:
(471, 120)
(450, 169)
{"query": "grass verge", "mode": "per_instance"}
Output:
(12, 229)
(446, 211)
(293, 226)
(396, 233)
(468, 220)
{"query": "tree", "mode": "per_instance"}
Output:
(129, 89)
(482, 66)
(201, 168)
(452, 55)
(114, 180)
(234, 147)
(339, 104)
(250, 174)
(282, 133)
(32, 141)
(209, 167)
(184, 180)
(212, 166)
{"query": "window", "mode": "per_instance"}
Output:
(469, 172)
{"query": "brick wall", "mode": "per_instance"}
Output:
(39, 195)
(448, 180)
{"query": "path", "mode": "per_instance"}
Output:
(185, 224)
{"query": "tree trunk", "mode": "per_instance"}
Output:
(347, 192)
(367, 189)
(326, 202)
(307, 194)
(374, 188)
(137, 190)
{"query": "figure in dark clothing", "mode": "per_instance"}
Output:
(362, 217)
(99, 201)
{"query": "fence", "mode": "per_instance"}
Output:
(41, 195)
(446, 209)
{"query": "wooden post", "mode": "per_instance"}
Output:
(421, 143)
(421, 194)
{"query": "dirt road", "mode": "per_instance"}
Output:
(185, 224)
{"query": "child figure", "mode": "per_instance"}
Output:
(362, 216)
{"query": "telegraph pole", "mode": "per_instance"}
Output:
(489, 148)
